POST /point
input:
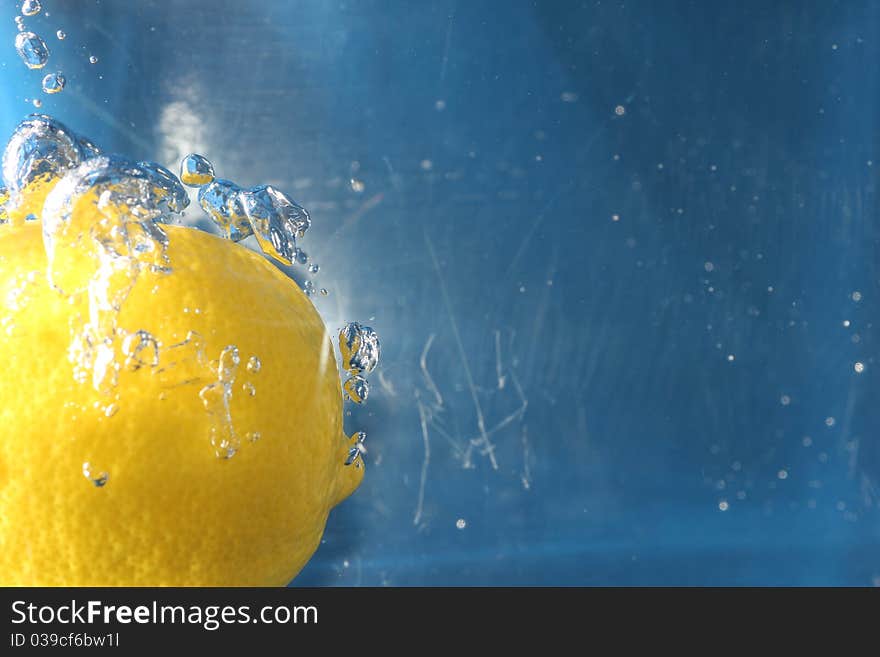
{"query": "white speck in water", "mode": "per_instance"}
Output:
(568, 97)
(111, 410)
(785, 400)
(461, 523)
(61, 34)
(37, 102)
(807, 441)
(782, 474)
(708, 266)
(426, 165)
(723, 505)
(730, 358)
(615, 217)
(859, 367)
(856, 296)
(846, 323)
(620, 110)
(440, 105)
(356, 185)
(830, 421)
(93, 59)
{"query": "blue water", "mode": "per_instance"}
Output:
(743, 171)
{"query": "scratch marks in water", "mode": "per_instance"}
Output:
(423, 477)
(526, 477)
(429, 380)
(446, 46)
(483, 441)
(499, 369)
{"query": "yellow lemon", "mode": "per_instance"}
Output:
(209, 451)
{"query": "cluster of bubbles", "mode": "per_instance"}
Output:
(359, 346)
(263, 211)
(33, 50)
(110, 210)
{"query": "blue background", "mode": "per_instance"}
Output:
(630, 448)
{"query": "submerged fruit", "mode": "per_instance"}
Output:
(170, 404)
(154, 476)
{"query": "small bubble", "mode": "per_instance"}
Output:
(615, 217)
(856, 296)
(830, 421)
(859, 367)
(785, 400)
(31, 7)
(357, 185)
(249, 388)
(54, 82)
(99, 479)
(461, 523)
(196, 170)
(111, 410)
(807, 441)
(568, 97)
(846, 323)
(708, 266)
(357, 389)
(723, 505)
(313, 269)
(61, 34)
(357, 450)
(782, 474)
(93, 59)
(440, 105)
(730, 358)
(253, 365)
(37, 102)
(252, 436)
(620, 110)
(426, 165)
(324, 291)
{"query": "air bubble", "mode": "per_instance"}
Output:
(32, 49)
(249, 388)
(196, 170)
(141, 349)
(221, 200)
(61, 34)
(276, 221)
(357, 450)
(111, 409)
(313, 269)
(359, 346)
(357, 388)
(253, 365)
(99, 479)
(93, 59)
(253, 436)
(54, 82)
(31, 7)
